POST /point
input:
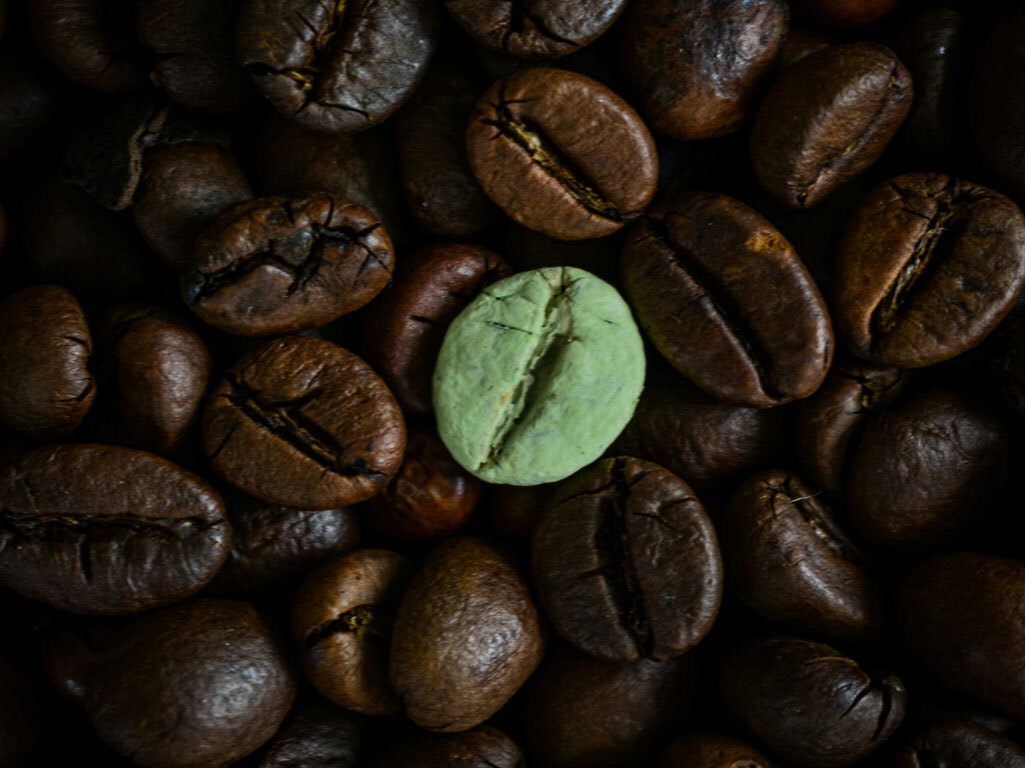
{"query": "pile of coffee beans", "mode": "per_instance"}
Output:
(504, 383)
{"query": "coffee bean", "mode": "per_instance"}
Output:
(315, 737)
(711, 751)
(46, 387)
(827, 119)
(302, 423)
(481, 747)
(107, 530)
(955, 743)
(724, 298)
(467, 636)
(562, 154)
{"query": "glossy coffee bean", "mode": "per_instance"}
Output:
(303, 423)
(809, 704)
(107, 530)
(336, 67)
(927, 472)
(466, 637)
(626, 562)
(408, 322)
(342, 623)
(928, 267)
(827, 119)
(203, 683)
(726, 300)
(953, 743)
(281, 264)
(695, 65)
(703, 750)
(316, 736)
(788, 560)
(562, 154)
(46, 387)
(481, 747)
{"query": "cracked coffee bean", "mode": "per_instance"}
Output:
(303, 423)
(100, 529)
(827, 119)
(695, 65)
(726, 300)
(626, 562)
(809, 704)
(788, 560)
(203, 683)
(316, 736)
(927, 269)
(466, 637)
(46, 387)
(702, 750)
(408, 321)
(340, 66)
(342, 623)
(956, 744)
(562, 154)
(281, 264)
(482, 747)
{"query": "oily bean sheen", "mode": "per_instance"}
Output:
(695, 65)
(928, 267)
(954, 744)
(482, 747)
(342, 623)
(336, 67)
(562, 154)
(316, 736)
(534, 29)
(809, 704)
(703, 750)
(46, 388)
(197, 685)
(787, 559)
(626, 562)
(281, 264)
(107, 530)
(466, 637)
(827, 119)
(961, 616)
(303, 423)
(726, 300)
(927, 472)
(408, 321)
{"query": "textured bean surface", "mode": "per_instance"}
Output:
(950, 744)
(315, 737)
(482, 747)
(711, 751)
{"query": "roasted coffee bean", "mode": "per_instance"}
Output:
(702, 750)
(303, 423)
(408, 322)
(336, 67)
(928, 267)
(466, 637)
(927, 472)
(809, 704)
(626, 562)
(281, 264)
(107, 530)
(722, 295)
(46, 387)
(695, 65)
(827, 119)
(203, 683)
(316, 737)
(956, 744)
(342, 623)
(482, 747)
(562, 154)
(845, 13)
(788, 560)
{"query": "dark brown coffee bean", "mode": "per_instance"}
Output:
(408, 322)
(827, 119)
(342, 623)
(695, 65)
(702, 750)
(336, 67)
(467, 636)
(281, 264)
(317, 736)
(626, 562)
(788, 560)
(928, 267)
(809, 704)
(845, 13)
(957, 744)
(46, 387)
(203, 683)
(926, 473)
(724, 298)
(303, 423)
(482, 747)
(562, 154)
(107, 530)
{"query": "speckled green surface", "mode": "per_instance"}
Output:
(537, 376)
